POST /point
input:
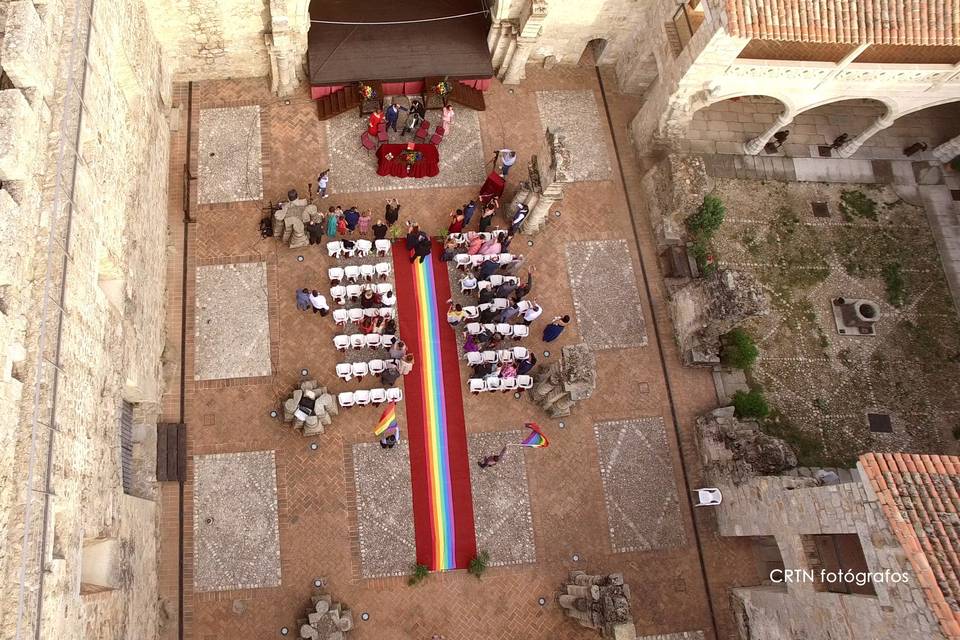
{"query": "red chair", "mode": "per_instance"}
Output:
(437, 136)
(382, 135)
(421, 135)
(367, 141)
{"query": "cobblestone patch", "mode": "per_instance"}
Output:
(229, 155)
(384, 509)
(353, 169)
(232, 322)
(235, 531)
(605, 295)
(501, 499)
(574, 114)
(638, 487)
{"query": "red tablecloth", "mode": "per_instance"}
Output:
(427, 167)
(493, 187)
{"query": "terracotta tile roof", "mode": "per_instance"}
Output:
(920, 497)
(850, 21)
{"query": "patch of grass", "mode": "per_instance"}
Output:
(708, 218)
(479, 564)
(896, 284)
(703, 256)
(739, 350)
(786, 221)
(420, 573)
(857, 204)
(750, 404)
(751, 243)
(809, 450)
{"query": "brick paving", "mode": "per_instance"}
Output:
(317, 511)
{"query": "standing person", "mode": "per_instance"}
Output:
(341, 225)
(363, 224)
(455, 313)
(413, 240)
(319, 303)
(487, 269)
(487, 216)
(322, 183)
(468, 210)
(397, 350)
(415, 116)
(553, 330)
(489, 461)
(375, 119)
(303, 299)
(514, 265)
(351, 217)
(332, 222)
(392, 212)
(406, 364)
(388, 441)
(424, 248)
(456, 225)
(519, 217)
(447, 116)
(379, 230)
(390, 375)
(393, 114)
(505, 242)
(532, 313)
(524, 289)
(508, 157)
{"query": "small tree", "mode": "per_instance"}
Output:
(739, 350)
(479, 564)
(750, 404)
(708, 217)
(420, 573)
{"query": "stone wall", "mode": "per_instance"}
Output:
(113, 327)
(788, 508)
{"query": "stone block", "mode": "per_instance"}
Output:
(17, 135)
(24, 48)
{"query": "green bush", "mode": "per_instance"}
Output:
(739, 350)
(701, 254)
(708, 217)
(420, 573)
(955, 164)
(479, 564)
(858, 204)
(896, 285)
(750, 404)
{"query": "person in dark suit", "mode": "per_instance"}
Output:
(393, 114)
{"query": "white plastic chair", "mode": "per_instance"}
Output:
(523, 305)
(363, 247)
(483, 285)
(477, 260)
(354, 291)
(347, 252)
(383, 247)
(357, 340)
(496, 280)
(367, 272)
(341, 342)
(382, 269)
(471, 312)
(339, 294)
(525, 382)
(520, 331)
(508, 384)
(340, 317)
(489, 326)
(500, 303)
(492, 383)
(370, 313)
(511, 279)
(458, 238)
(387, 340)
(486, 235)
(361, 397)
(386, 312)
(462, 261)
(473, 328)
(505, 258)
(504, 328)
(490, 357)
(373, 340)
(344, 371)
(355, 315)
(394, 394)
(360, 369)
(352, 273)
(520, 353)
(334, 248)
(384, 287)
(346, 399)
(466, 285)
(378, 396)
(336, 275)
(377, 366)
(708, 497)
(474, 358)
(477, 385)
(506, 355)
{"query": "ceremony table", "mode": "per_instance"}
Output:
(427, 167)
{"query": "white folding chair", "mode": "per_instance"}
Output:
(477, 260)
(520, 331)
(477, 385)
(341, 342)
(347, 251)
(382, 269)
(373, 340)
(336, 275)
(394, 394)
(363, 247)
(462, 261)
(344, 370)
(354, 291)
(504, 328)
(361, 397)
(490, 357)
(339, 294)
(334, 248)
(474, 358)
(377, 366)
(357, 340)
(496, 280)
(385, 312)
(525, 382)
(506, 355)
(471, 312)
(520, 353)
(523, 305)
(483, 285)
(466, 285)
(511, 280)
(387, 340)
(378, 396)
(340, 317)
(473, 328)
(383, 247)
(505, 258)
(367, 272)
(356, 315)
(370, 313)
(458, 238)
(384, 287)
(499, 304)
(708, 497)
(352, 273)
(360, 369)
(508, 384)
(346, 399)
(492, 383)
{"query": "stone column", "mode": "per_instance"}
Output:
(515, 69)
(948, 150)
(756, 145)
(504, 48)
(283, 50)
(849, 148)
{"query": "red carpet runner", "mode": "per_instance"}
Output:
(439, 465)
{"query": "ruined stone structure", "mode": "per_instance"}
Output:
(561, 385)
(676, 186)
(736, 450)
(548, 172)
(599, 602)
(325, 620)
(324, 406)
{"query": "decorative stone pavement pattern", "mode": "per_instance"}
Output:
(229, 156)
(233, 322)
(235, 530)
(384, 509)
(574, 115)
(638, 485)
(354, 169)
(605, 294)
(501, 499)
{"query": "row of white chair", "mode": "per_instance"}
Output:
(363, 397)
(464, 260)
(493, 383)
(358, 248)
(461, 238)
(472, 284)
(497, 304)
(352, 292)
(492, 357)
(342, 316)
(515, 331)
(354, 273)
(363, 341)
(350, 370)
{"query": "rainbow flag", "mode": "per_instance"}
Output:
(388, 420)
(536, 437)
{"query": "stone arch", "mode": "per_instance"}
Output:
(725, 123)
(593, 51)
(843, 123)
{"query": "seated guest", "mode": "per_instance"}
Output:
(474, 244)
(388, 299)
(368, 324)
(509, 313)
(470, 345)
(390, 375)
(487, 295)
(508, 370)
(406, 364)
(489, 314)
(449, 250)
(491, 247)
(526, 365)
(369, 299)
(468, 281)
(397, 350)
(389, 327)
(506, 289)
(482, 370)
(487, 269)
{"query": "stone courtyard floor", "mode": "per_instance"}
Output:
(572, 506)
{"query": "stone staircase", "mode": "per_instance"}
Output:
(460, 94)
(343, 100)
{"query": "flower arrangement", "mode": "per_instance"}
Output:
(367, 92)
(411, 157)
(442, 88)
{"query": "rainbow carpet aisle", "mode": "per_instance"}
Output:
(439, 466)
